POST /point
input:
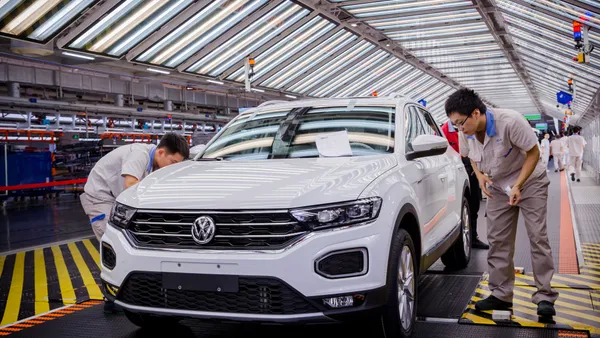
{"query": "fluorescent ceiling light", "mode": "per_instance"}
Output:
(79, 56)
(291, 96)
(215, 82)
(258, 90)
(158, 71)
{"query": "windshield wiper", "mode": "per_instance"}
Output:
(210, 159)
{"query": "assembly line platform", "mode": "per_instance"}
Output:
(53, 290)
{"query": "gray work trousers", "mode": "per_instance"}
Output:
(94, 208)
(575, 161)
(502, 230)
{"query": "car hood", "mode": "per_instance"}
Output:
(264, 184)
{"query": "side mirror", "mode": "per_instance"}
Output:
(427, 145)
(195, 150)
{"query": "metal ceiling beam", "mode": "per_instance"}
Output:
(355, 2)
(247, 21)
(495, 22)
(167, 28)
(292, 59)
(270, 44)
(93, 15)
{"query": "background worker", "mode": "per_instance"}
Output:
(556, 152)
(122, 168)
(565, 148)
(576, 145)
(500, 144)
(475, 199)
(545, 146)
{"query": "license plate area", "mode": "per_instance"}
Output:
(200, 282)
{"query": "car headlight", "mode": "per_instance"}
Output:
(337, 215)
(121, 215)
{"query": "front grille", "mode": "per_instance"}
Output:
(347, 263)
(234, 230)
(255, 296)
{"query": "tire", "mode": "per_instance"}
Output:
(398, 317)
(459, 254)
(151, 322)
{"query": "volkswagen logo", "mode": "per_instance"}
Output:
(203, 230)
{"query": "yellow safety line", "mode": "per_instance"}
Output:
(13, 303)
(478, 320)
(92, 250)
(591, 272)
(41, 283)
(559, 285)
(590, 278)
(64, 280)
(86, 275)
(2, 259)
(560, 302)
(577, 282)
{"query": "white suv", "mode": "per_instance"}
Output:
(295, 212)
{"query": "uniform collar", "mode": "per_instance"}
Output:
(151, 164)
(490, 124)
(451, 128)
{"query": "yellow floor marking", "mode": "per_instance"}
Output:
(64, 280)
(13, 303)
(590, 278)
(478, 320)
(559, 320)
(92, 250)
(41, 283)
(86, 275)
(560, 302)
(577, 282)
(558, 285)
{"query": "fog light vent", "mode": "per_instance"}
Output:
(109, 258)
(343, 264)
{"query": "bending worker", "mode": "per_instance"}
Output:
(475, 199)
(122, 168)
(501, 144)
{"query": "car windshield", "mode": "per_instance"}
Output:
(293, 133)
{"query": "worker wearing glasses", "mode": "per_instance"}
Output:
(505, 158)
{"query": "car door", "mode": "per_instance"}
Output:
(428, 178)
(447, 200)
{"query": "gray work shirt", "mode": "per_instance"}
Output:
(508, 137)
(106, 180)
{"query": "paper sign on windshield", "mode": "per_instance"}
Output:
(334, 144)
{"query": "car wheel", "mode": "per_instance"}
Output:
(400, 313)
(459, 254)
(148, 321)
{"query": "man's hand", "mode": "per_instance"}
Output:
(515, 196)
(482, 184)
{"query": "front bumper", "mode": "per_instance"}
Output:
(294, 267)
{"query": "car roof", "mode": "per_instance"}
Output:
(342, 101)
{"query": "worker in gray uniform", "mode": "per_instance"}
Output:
(122, 168)
(505, 157)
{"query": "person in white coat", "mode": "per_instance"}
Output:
(576, 145)
(565, 149)
(545, 146)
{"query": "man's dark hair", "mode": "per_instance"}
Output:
(464, 101)
(175, 144)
